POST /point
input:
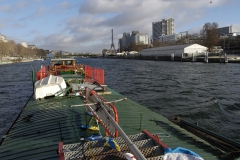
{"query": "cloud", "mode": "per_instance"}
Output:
(64, 6)
(96, 18)
(70, 25)
(33, 31)
(15, 7)
(41, 11)
(5, 8)
(2, 25)
(68, 43)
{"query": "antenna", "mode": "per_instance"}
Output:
(112, 45)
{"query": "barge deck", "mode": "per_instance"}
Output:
(43, 124)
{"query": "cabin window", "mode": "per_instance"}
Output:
(58, 63)
(68, 62)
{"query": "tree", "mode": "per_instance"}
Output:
(11, 45)
(132, 47)
(104, 51)
(156, 43)
(209, 33)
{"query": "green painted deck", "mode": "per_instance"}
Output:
(53, 120)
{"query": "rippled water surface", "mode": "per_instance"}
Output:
(206, 93)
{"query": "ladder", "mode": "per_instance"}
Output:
(96, 150)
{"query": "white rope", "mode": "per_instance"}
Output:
(90, 104)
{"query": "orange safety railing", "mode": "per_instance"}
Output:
(42, 73)
(88, 71)
(99, 75)
(91, 75)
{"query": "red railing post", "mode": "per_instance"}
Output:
(60, 151)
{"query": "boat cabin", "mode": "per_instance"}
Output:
(64, 65)
(64, 62)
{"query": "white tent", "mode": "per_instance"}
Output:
(178, 50)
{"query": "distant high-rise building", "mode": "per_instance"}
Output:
(126, 39)
(229, 30)
(164, 27)
(138, 38)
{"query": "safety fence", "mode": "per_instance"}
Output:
(95, 74)
(91, 75)
(42, 73)
(88, 71)
(99, 75)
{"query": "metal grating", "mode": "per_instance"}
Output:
(145, 143)
(133, 138)
(156, 158)
(115, 156)
(79, 146)
(152, 151)
(98, 150)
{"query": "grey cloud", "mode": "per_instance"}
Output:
(73, 43)
(64, 6)
(2, 25)
(5, 8)
(108, 6)
(91, 31)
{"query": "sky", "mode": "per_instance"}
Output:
(85, 25)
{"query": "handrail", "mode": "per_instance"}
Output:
(114, 110)
(130, 144)
(91, 74)
(108, 129)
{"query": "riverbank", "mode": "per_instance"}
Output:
(15, 61)
(230, 58)
(5, 62)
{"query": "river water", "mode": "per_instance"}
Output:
(207, 93)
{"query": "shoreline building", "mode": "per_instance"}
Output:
(3, 38)
(125, 41)
(24, 44)
(32, 47)
(186, 50)
(138, 38)
(227, 31)
(170, 38)
(164, 27)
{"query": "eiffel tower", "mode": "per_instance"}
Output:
(112, 45)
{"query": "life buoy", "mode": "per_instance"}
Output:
(129, 156)
(92, 92)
